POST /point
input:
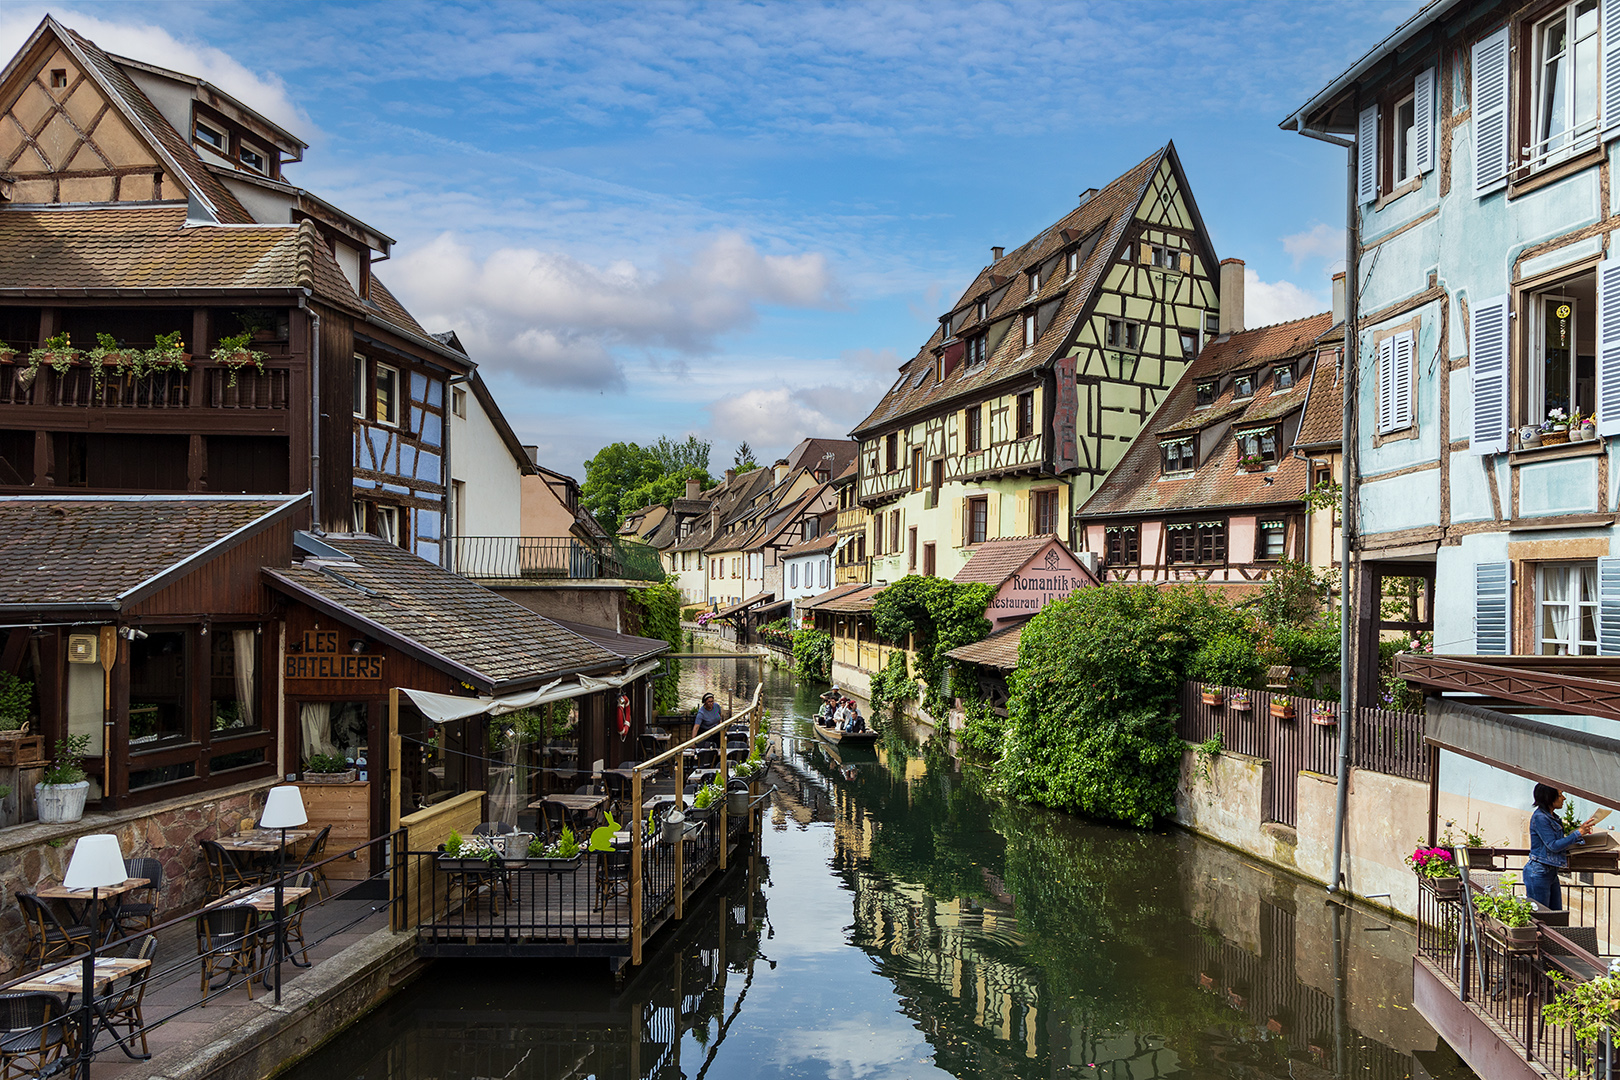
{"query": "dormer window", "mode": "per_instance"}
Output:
(1034, 281)
(1029, 330)
(1282, 376)
(1074, 262)
(981, 310)
(975, 351)
(1177, 455)
(211, 138)
(945, 328)
(1258, 444)
(1243, 386)
(252, 159)
(1206, 392)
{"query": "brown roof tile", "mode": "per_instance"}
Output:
(98, 551)
(443, 618)
(999, 650)
(844, 598)
(994, 561)
(391, 309)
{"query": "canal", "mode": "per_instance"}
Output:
(900, 924)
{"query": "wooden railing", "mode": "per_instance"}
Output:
(206, 387)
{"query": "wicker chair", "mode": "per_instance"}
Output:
(228, 941)
(123, 1010)
(612, 875)
(225, 872)
(32, 1034)
(49, 938)
(136, 915)
(314, 853)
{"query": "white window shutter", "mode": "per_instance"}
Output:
(1492, 584)
(1367, 155)
(1492, 137)
(1386, 389)
(1423, 98)
(1401, 382)
(1608, 348)
(1488, 361)
(1610, 17)
(1608, 573)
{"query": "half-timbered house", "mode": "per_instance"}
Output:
(1040, 375)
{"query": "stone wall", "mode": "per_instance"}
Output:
(37, 854)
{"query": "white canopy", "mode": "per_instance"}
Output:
(443, 708)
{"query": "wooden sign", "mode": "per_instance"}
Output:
(1051, 575)
(323, 657)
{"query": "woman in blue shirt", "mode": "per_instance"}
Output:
(1547, 847)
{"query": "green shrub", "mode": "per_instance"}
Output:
(937, 616)
(982, 730)
(1228, 660)
(892, 686)
(812, 655)
(659, 607)
(16, 701)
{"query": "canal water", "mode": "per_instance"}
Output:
(898, 923)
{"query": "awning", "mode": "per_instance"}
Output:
(999, 650)
(738, 609)
(1580, 762)
(442, 708)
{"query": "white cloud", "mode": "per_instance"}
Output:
(555, 319)
(1319, 242)
(265, 93)
(765, 417)
(1267, 302)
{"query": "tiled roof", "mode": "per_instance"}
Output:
(811, 547)
(108, 552)
(845, 598)
(994, 561)
(391, 309)
(1323, 422)
(442, 618)
(732, 499)
(742, 606)
(627, 646)
(1136, 485)
(999, 650)
(811, 454)
(1108, 214)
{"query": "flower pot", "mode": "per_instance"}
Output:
(347, 776)
(1446, 888)
(1577, 435)
(1555, 437)
(1206, 980)
(1211, 697)
(1520, 937)
(1589, 431)
(460, 864)
(1481, 858)
(1283, 710)
(1240, 701)
(1253, 466)
(1324, 718)
(61, 802)
(1528, 437)
(553, 864)
(1275, 1025)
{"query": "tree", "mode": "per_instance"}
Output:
(659, 492)
(744, 458)
(616, 471)
(679, 457)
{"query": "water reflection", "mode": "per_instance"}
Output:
(907, 926)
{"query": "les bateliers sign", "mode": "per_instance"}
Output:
(323, 658)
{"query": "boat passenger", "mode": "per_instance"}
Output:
(855, 722)
(1548, 845)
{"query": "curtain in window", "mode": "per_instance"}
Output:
(243, 641)
(1589, 600)
(315, 719)
(1555, 621)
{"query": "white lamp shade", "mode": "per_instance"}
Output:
(97, 863)
(283, 809)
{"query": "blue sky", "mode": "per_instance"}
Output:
(734, 219)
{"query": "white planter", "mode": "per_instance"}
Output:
(61, 802)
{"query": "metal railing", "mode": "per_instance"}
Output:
(541, 558)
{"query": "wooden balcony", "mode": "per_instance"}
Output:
(259, 401)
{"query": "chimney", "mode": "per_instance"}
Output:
(780, 470)
(995, 252)
(1085, 196)
(534, 454)
(731, 474)
(1338, 297)
(693, 487)
(1231, 296)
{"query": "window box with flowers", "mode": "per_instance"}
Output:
(234, 355)
(57, 353)
(1436, 869)
(168, 353)
(108, 353)
(8, 355)
(1253, 463)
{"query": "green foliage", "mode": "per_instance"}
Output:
(1293, 594)
(326, 763)
(743, 459)
(939, 616)
(567, 845)
(67, 766)
(168, 353)
(57, 352)
(678, 456)
(1586, 1008)
(982, 730)
(1229, 659)
(659, 492)
(779, 632)
(452, 844)
(892, 686)
(812, 655)
(1091, 718)
(660, 608)
(1505, 906)
(1324, 496)
(1207, 752)
(16, 701)
(624, 477)
(1314, 648)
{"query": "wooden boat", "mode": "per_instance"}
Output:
(846, 738)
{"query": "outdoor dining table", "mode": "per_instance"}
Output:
(107, 897)
(577, 806)
(68, 979)
(263, 841)
(262, 898)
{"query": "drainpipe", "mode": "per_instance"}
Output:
(315, 422)
(1347, 448)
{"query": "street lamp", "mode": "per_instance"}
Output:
(283, 809)
(97, 863)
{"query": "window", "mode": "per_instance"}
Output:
(928, 560)
(981, 310)
(894, 531)
(1029, 329)
(58, 78)
(1566, 609)
(387, 395)
(1026, 414)
(209, 137)
(1177, 455)
(793, 575)
(971, 436)
(1243, 386)
(1045, 507)
(386, 524)
(1563, 367)
(978, 520)
(1405, 141)
(1282, 377)
(826, 568)
(1166, 258)
(1258, 443)
(1206, 392)
(911, 550)
(1034, 281)
(1395, 383)
(891, 451)
(1566, 82)
(1074, 262)
(233, 678)
(252, 159)
(1271, 541)
(1212, 541)
(1202, 542)
(1212, 322)
(458, 506)
(975, 351)
(1124, 334)
(357, 516)
(1121, 547)
(1189, 343)
(360, 387)
(916, 468)
(158, 683)
(458, 402)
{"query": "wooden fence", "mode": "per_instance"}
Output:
(1380, 740)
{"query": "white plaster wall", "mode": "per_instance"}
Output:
(1470, 488)
(1401, 502)
(493, 505)
(1558, 487)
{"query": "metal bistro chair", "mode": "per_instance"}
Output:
(314, 853)
(612, 875)
(305, 879)
(48, 936)
(493, 828)
(123, 1010)
(551, 821)
(228, 941)
(225, 873)
(32, 1034)
(133, 915)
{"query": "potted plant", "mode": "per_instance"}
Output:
(1586, 1008)
(1529, 436)
(57, 353)
(329, 769)
(109, 354)
(1240, 701)
(1576, 434)
(61, 793)
(561, 855)
(1589, 427)
(1325, 714)
(1555, 429)
(1212, 695)
(1253, 463)
(1282, 709)
(1508, 916)
(1438, 868)
(168, 353)
(467, 854)
(1480, 857)
(8, 354)
(234, 355)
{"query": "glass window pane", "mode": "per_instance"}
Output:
(157, 689)
(233, 678)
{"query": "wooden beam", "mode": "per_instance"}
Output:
(1578, 695)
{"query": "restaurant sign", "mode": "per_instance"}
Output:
(1051, 574)
(323, 658)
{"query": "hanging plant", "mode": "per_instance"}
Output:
(8, 355)
(167, 354)
(58, 353)
(234, 355)
(109, 354)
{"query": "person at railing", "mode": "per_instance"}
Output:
(708, 716)
(1547, 847)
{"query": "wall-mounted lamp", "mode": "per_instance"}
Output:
(357, 645)
(204, 630)
(133, 633)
